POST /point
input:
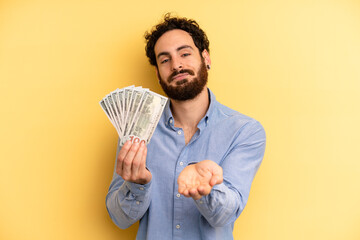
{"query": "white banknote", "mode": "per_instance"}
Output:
(134, 112)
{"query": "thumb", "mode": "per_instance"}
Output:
(217, 176)
(216, 179)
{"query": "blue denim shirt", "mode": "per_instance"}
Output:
(233, 140)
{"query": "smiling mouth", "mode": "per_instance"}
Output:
(180, 76)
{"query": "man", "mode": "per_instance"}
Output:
(193, 179)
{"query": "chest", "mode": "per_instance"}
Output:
(189, 133)
(171, 150)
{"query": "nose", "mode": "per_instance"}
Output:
(176, 64)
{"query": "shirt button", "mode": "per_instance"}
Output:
(141, 188)
(178, 226)
(171, 121)
(179, 132)
(178, 195)
(181, 163)
(201, 202)
(137, 202)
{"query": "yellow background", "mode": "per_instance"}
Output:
(292, 65)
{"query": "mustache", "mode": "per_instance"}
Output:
(190, 72)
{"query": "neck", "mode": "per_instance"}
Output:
(187, 114)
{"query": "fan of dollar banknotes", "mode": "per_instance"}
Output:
(134, 112)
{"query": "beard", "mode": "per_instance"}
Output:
(185, 89)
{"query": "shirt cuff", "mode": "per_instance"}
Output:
(137, 197)
(207, 204)
(138, 190)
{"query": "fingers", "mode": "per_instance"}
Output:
(187, 186)
(128, 161)
(192, 187)
(183, 189)
(143, 157)
(121, 156)
(190, 192)
(131, 161)
(194, 193)
(197, 193)
(137, 161)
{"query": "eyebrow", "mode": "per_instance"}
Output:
(178, 49)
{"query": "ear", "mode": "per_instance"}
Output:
(206, 57)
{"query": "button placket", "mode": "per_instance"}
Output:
(178, 200)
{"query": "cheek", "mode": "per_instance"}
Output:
(162, 73)
(161, 77)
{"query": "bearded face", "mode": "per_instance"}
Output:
(188, 88)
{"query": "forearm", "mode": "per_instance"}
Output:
(127, 202)
(226, 201)
(221, 207)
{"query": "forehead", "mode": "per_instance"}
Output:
(173, 39)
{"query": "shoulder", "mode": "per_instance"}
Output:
(238, 123)
(224, 113)
(220, 112)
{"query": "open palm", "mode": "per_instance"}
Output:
(197, 180)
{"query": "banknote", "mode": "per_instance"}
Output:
(134, 112)
(148, 118)
(110, 109)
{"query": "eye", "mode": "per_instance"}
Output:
(185, 54)
(164, 61)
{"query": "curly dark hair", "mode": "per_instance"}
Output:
(170, 23)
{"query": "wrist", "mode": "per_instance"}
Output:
(146, 179)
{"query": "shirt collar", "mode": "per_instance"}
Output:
(204, 122)
(169, 120)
